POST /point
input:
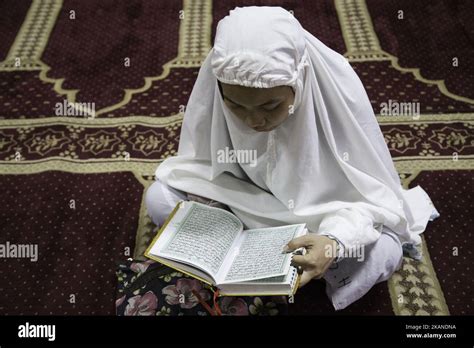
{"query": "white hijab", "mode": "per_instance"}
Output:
(327, 165)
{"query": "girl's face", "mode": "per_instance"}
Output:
(262, 109)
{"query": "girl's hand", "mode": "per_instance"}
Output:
(207, 201)
(197, 198)
(315, 262)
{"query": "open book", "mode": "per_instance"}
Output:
(210, 244)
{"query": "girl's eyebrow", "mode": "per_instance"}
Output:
(271, 101)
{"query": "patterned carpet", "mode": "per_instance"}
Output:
(74, 185)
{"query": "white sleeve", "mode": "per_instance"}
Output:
(350, 228)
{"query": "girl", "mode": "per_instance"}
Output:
(272, 91)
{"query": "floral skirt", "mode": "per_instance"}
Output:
(150, 288)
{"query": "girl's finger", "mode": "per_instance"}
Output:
(301, 260)
(299, 242)
(305, 278)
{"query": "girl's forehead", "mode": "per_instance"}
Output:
(254, 93)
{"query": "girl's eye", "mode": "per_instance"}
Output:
(272, 107)
(232, 105)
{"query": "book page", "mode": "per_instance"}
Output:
(259, 255)
(203, 237)
(279, 279)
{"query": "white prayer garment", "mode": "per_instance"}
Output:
(327, 165)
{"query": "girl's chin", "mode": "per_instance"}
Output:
(264, 129)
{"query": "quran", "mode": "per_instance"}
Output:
(211, 244)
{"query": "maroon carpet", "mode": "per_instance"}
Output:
(109, 48)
